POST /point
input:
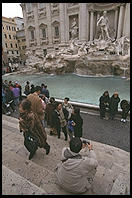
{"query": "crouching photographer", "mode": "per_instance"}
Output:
(75, 172)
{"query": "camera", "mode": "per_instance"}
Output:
(85, 142)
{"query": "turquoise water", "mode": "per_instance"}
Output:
(83, 89)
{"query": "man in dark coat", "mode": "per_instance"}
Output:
(104, 103)
(114, 100)
(76, 117)
(125, 106)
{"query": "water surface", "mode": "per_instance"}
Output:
(83, 89)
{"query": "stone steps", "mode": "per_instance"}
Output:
(40, 170)
(14, 184)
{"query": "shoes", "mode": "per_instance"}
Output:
(47, 149)
(58, 137)
(31, 155)
(123, 120)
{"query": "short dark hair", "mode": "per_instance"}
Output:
(38, 88)
(28, 82)
(52, 99)
(75, 144)
(26, 104)
(66, 98)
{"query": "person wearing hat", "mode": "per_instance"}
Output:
(113, 106)
(76, 171)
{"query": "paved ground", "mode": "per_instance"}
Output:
(19, 175)
(111, 132)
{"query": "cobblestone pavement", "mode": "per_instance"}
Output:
(111, 132)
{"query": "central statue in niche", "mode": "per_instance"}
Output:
(103, 22)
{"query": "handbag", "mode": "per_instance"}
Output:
(30, 142)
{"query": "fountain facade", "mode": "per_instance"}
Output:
(85, 38)
(103, 52)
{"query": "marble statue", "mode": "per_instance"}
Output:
(103, 22)
(74, 29)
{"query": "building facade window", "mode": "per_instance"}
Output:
(11, 45)
(56, 31)
(6, 45)
(29, 7)
(41, 5)
(7, 27)
(12, 52)
(44, 33)
(16, 45)
(32, 34)
(9, 36)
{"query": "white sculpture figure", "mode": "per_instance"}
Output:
(82, 50)
(74, 29)
(103, 22)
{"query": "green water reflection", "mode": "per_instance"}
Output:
(77, 88)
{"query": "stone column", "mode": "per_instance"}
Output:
(91, 25)
(37, 35)
(120, 23)
(88, 24)
(116, 21)
(126, 28)
(62, 22)
(48, 14)
(25, 24)
(83, 25)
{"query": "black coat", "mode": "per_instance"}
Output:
(103, 100)
(114, 104)
(78, 125)
(125, 105)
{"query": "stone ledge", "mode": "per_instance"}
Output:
(14, 184)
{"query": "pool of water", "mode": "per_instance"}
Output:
(83, 89)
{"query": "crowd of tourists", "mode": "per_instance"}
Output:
(75, 172)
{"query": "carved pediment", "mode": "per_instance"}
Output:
(55, 22)
(42, 25)
(31, 27)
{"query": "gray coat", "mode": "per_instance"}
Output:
(76, 175)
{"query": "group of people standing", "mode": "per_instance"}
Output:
(37, 109)
(110, 104)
